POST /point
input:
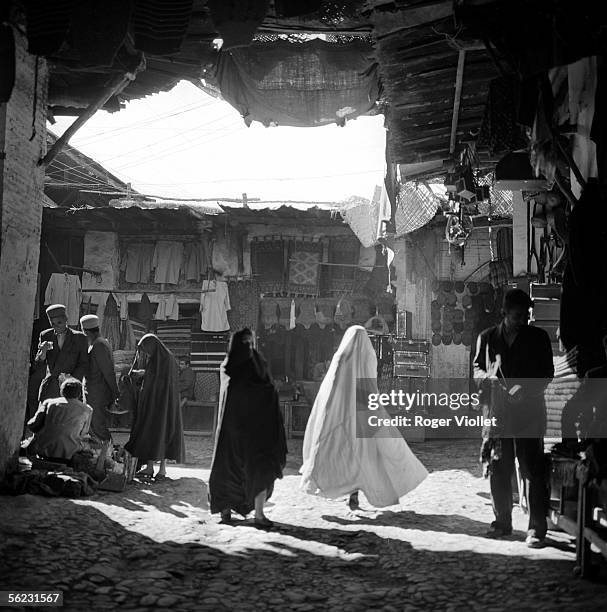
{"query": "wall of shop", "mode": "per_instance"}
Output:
(22, 142)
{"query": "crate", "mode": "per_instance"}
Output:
(547, 310)
(410, 358)
(412, 346)
(544, 291)
(411, 370)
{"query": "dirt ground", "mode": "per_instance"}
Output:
(156, 547)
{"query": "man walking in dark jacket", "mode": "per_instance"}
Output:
(518, 358)
(64, 351)
(100, 387)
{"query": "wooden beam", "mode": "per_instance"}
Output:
(116, 85)
(388, 23)
(459, 79)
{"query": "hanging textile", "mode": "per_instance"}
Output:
(302, 84)
(379, 276)
(500, 132)
(168, 308)
(214, 306)
(284, 312)
(343, 313)
(324, 311)
(269, 312)
(244, 299)
(343, 251)
(167, 260)
(196, 262)
(65, 289)
(307, 313)
(137, 262)
(145, 312)
(267, 265)
(304, 267)
(110, 328)
(159, 26)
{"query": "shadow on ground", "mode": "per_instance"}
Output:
(111, 566)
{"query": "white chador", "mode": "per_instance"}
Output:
(336, 461)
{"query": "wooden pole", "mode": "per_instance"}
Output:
(117, 84)
(459, 79)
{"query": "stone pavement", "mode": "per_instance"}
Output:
(156, 547)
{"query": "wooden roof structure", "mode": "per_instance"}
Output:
(435, 68)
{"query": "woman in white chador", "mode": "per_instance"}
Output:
(335, 461)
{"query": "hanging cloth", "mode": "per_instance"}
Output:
(110, 328)
(292, 315)
(145, 312)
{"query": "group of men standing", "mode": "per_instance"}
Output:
(85, 356)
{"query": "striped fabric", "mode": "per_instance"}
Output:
(208, 350)
(139, 329)
(176, 335)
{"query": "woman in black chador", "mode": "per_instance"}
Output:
(250, 444)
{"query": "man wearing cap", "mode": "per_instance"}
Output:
(64, 351)
(100, 384)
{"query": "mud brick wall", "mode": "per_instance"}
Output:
(22, 143)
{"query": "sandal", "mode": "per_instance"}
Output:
(264, 521)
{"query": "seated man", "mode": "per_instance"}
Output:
(187, 381)
(61, 424)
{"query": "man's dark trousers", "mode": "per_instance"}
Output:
(530, 455)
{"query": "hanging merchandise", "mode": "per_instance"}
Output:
(269, 313)
(214, 306)
(65, 289)
(137, 262)
(284, 312)
(168, 256)
(168, 308)
(343, 313)
(195, 259)
(145, 312)
(306, 315)
(110, 328)
(324, 311)
(244, 298)
(292, 315)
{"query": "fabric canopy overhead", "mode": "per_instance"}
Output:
(301, 84)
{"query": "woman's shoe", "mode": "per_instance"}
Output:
(353, 501)
(263, 522)
(226, 516)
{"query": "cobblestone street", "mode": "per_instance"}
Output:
(157, 547)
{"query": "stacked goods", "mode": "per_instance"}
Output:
(176, 336)
(460, 310)
(560, 391)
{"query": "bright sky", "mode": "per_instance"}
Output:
(187, 144)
